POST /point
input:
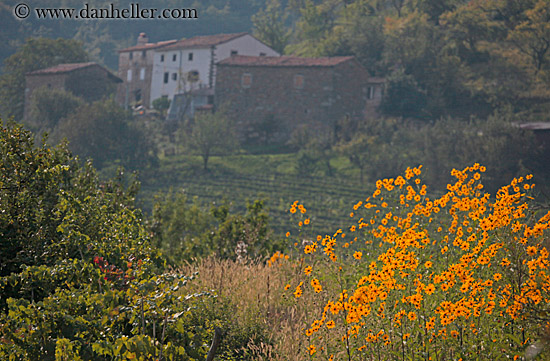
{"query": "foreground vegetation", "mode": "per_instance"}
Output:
(84, 277)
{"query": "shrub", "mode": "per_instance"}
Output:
(187, 230)
(79, 277)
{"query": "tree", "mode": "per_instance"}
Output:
(315, 149)
(357, 152)
(267, 126)
(211, 133)
(532, 36)
(316, 32)
(52, 208)
(403, 97)
(364, 34)
(49, 106)
(104, 132)
(161, 105)
(34, 54)
(269, 26)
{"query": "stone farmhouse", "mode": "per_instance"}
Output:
(291, 91)
(154, 70)
(135, 67)
(89, 81)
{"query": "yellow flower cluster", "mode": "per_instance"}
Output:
(469, 256)
(297, 205)
(276, 256)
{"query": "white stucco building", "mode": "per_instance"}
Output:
(189, 64)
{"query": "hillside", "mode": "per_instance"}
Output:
(248, 177)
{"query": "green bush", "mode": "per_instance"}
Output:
(186, 230)
(79, 277)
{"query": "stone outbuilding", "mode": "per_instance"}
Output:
(283, 93)
(89, 81)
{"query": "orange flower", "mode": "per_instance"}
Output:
(429, 289)
(357, 255)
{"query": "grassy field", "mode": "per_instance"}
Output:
(272, 177)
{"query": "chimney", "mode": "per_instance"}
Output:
(142, 39)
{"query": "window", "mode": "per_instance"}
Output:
(234, 52)
(174, 57)
(174, 76)
(162, 58)
(129, 75)
(138, 95)
(370, 92)
(166, 75)
(143, 53)
(193, 76)
(262, 54)
(190, 57)
(131, 55)
(246, 80)
(142, 74)
(298, 81)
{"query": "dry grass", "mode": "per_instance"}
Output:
(256, 292)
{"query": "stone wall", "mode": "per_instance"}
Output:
(137, 62)
(319, 99)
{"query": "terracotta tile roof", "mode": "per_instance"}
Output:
(62, 68)
(203, 41)
(290, 61)
(148, 46)
(67, 68)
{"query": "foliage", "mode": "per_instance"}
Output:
(161, 104)
(315, 151)
(462, 275)
(211, 133)
(186, 230)
(80, 278)
(53, 210)
(496, 142)
(35, 54)
(269, 26)
(105, 132)
(49, 106)
(383, 146)
(403, 97)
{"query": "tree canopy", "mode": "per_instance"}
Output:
(210, 134)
